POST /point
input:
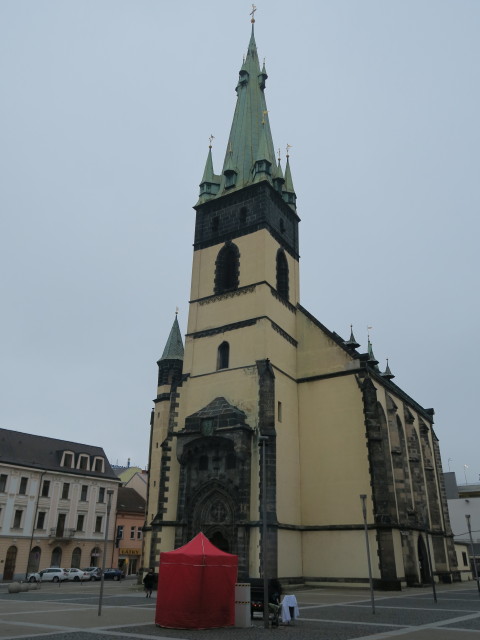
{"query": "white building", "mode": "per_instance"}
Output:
(53, 504)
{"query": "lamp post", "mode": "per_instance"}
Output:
(104, 555)
(262, 441)
(467, 517)
(363, 498)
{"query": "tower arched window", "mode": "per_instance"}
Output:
(227, 268)
(282, 274)
(223, 356)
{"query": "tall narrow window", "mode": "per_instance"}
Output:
(227, 268)
(83, 494)
(279, 411)
(80, 521)
(223, 356)
(65, 490)
(3, 482)
(45, 488)
(17, 520)
(282, 274)
(23, 486)
(98, 524)
(41, 520)
(101, 494)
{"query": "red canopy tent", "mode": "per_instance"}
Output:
(196, 586)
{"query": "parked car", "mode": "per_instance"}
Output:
(113, 574)
(53, 574)
(33, 577)
(95, 573)
(77, 575)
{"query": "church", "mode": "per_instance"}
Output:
(258, 414)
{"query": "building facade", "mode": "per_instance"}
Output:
(54, 496)
(264, 398)
(129, 521)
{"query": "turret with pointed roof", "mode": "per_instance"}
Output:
(170, 364)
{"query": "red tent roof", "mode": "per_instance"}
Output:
(199, 551)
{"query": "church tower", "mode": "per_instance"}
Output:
(258, 368)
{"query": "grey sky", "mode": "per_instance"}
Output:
(105, 112)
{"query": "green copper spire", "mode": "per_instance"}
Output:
(210, 182)
(250, 135)
(289, 194)
(174, 347)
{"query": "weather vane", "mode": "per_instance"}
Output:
(211, 139)
(252, 13)
(289, 146)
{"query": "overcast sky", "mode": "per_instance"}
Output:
(105, 112)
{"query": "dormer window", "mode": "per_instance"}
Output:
(98, 464)
(230, 179)
(67, 459)
(83, 462)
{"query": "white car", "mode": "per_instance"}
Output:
(77, 575)
(33, 577)
(53, 574)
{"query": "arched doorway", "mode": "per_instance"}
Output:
(34, 560)
(220, 541)
(95, 556)
(56, 557)
(76, 557)
(10, 562)
(423, 561)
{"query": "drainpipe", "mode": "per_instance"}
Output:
(34, 521)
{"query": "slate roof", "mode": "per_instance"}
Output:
(40, 452)
(129, 501)
(174, 347)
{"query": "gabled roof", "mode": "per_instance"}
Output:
(40, 452)
(130, 501)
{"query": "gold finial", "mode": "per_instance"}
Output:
(211, 139)
(176, 311)
(289, 146)
(252, 13)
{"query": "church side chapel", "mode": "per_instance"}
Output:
(258, 369)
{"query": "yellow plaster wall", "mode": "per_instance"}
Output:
(341, 554)
(332, 420)
(258, 252)
(317, 353)
(290, 553)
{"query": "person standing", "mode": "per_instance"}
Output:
(149, 582)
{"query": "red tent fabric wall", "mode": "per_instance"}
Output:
(196, 587)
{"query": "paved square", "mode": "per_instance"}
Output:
(70, 612)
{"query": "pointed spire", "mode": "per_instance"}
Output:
(289, 194)
(351, 342)
(278, 179)
(210, 183)
(249, 138)
(371, 357)
(174, 347)
(387, 373)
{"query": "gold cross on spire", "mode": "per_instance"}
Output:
(252, 13)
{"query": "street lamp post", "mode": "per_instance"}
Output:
(467, 517)
(363, 498)
(262, 440)
(105, 540)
